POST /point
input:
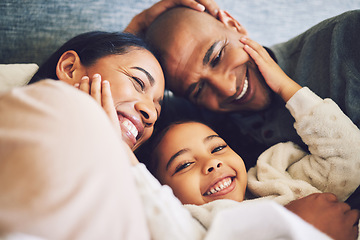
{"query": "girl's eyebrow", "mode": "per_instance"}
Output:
(148, 75)
(182, 151)
(208, 138)
(185, 150)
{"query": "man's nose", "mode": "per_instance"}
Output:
(223, 83)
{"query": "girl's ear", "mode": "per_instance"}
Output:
(69, 67)
(231, 22)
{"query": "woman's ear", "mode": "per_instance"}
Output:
(69, 67)
(231, 22)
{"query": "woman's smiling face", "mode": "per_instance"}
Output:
(137, 87)
(198, 165)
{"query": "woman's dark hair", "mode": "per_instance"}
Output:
(90, 47)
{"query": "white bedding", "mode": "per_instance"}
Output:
(13, 75)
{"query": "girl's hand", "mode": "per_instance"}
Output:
(142, 21)
(100, 91)
(274, 76)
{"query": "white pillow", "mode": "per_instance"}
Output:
(13, 75)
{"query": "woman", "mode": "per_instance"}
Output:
(129, 67)
(59, 149)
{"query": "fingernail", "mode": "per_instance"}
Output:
(76, 85)
(105, 82)
(96, 75)
(84, 78)
(201, 7)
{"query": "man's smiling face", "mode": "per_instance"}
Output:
(205, 62)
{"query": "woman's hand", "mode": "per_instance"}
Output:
(100, 90)
(274, 76)
(142, 21)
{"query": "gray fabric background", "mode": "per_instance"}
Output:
(30, 30)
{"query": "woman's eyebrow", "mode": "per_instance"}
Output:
(182, 151)
(209, 52)
(148, 75)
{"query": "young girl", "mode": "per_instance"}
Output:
(200, 167)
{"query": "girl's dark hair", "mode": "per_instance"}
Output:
(90, 47)
(146, 152)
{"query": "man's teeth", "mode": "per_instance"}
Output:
(219, 186)
(131, 127)
(246, 85)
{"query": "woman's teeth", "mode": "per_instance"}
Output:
(131, 127)
(219, 186)
(246, 85)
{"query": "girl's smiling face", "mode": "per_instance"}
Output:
(137, 87)
(198, 165)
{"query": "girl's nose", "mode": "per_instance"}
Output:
(212, 166)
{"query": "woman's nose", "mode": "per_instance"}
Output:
(147, 112)
(212, 166)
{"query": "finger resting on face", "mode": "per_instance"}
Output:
(108, 103)
(106, 96)
(95, 88)
(84, 84)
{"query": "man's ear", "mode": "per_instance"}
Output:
(231, 22)
(69, 67)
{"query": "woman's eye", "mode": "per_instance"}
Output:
(219, 148)
(182, 166)
(139, 82)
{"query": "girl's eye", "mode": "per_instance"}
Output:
(139, 82)
(219, 148)
(182, 166)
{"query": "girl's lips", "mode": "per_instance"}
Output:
(221, 187)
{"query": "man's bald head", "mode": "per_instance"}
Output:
(169, 27)
(204, 60)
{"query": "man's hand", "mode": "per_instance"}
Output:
(142, 21)
(327, 214)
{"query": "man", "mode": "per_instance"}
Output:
(204, 61)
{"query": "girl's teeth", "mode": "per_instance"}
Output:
(221, 186)
(131, 127)
(246, 85)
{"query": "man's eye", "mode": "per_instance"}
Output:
(219, 148)
(182, 166)
(198, 90)
(217, 58)
(139, 82)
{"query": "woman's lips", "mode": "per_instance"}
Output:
(130, 129)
